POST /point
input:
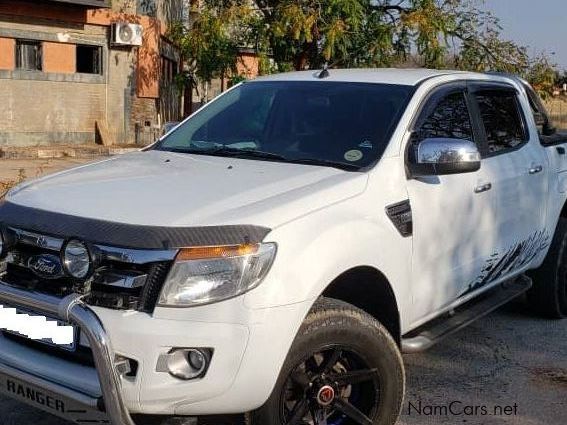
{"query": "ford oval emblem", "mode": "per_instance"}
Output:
(46, 266)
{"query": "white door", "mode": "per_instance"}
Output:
(516, 167)
(452, 219)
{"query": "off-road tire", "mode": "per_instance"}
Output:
(548, 296)
(335, 322)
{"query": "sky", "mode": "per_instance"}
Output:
(540, 25)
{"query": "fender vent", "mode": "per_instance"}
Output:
(400, 214)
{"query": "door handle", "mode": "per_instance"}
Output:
(536, 169)
(483, 188)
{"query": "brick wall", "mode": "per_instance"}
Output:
(7, 53)
(248, 65)
(57, 105)
(59, 57)
(38, 112)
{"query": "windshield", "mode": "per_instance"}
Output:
(344, 125)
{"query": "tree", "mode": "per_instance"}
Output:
(543, 76)
(305, 34)
(208, 44)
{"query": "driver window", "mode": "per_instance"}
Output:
(448, 119)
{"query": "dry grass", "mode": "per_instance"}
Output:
(557, 108)
(6, 185)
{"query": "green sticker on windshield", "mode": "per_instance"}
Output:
(353, 155)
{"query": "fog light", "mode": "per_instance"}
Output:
(189, 363)
(77, 259)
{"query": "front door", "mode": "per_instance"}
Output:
(453, 217)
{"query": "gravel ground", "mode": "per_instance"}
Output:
(509, 363)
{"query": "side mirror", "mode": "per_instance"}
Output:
(548, 129)
(437, 157)
(540, 119)
(168, 126)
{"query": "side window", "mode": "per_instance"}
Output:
(502, 118)
(449, 119)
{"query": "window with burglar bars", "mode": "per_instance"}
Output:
(28, 55)
(89, 59)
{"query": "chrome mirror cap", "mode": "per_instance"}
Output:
(436, 157)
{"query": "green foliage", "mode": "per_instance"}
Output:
(543, 76)
(207, 44)
(305, 34)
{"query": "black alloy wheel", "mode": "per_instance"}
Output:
(344, 368)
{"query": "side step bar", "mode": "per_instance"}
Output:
(430, 333)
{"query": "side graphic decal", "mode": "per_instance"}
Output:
(516, 257)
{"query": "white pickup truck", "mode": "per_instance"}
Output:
(274, 254)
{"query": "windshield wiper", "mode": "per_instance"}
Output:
(230, 152)
(248, 153)
(251, 153)
(325, 163)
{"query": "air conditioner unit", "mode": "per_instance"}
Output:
(127, 34)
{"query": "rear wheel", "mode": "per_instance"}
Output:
(344, 368)
(548, 296)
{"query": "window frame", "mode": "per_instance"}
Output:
(100, 60)
(39, 57)
(478, 87)
(433, 102)
(430, 102)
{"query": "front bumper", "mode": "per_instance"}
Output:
(55, 397)
(249, 349)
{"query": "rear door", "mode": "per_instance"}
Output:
(515, 165)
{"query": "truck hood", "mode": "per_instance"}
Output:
(170, 189)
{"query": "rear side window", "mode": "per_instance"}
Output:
(449, 119)
(502, 120)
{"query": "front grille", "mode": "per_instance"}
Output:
(124, 279)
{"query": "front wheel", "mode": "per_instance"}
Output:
(344, 368)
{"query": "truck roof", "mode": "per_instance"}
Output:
(408, 77)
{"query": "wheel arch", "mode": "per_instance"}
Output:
(563, 213)
(368, 288)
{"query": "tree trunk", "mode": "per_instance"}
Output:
(188, 100)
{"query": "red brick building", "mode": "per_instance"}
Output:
(68, 67)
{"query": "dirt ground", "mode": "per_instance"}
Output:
(16, 169)
(507, 368)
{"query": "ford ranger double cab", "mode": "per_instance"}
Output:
(273, 255)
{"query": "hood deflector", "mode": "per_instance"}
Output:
(126, 235)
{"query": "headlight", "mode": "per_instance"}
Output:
(203, 275)
(77, 259)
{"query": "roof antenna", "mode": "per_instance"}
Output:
(324, 72)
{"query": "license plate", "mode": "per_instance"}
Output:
(40, 328)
